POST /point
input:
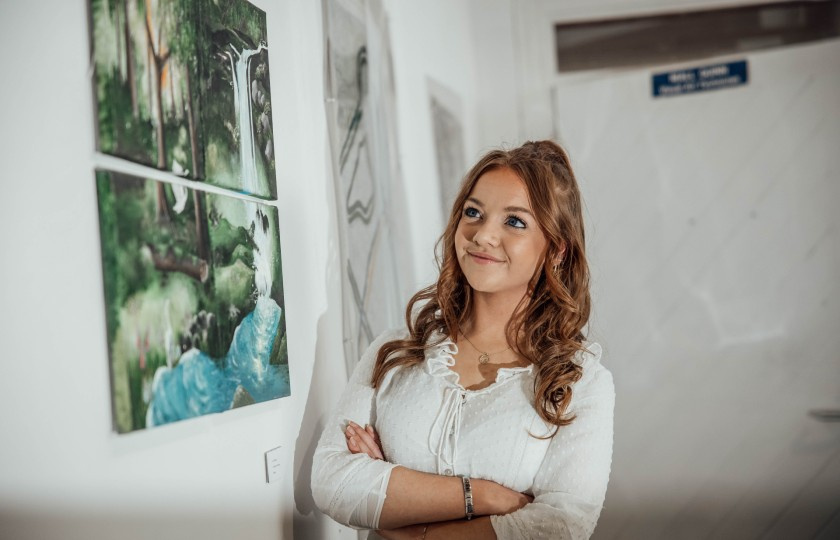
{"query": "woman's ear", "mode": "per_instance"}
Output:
(561, 255)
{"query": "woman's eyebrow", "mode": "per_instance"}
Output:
(507, 208)
(519, 209)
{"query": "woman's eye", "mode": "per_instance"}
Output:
(514, 221)
(471, 212)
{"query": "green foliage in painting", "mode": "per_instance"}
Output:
(168, 298)
(166, 85)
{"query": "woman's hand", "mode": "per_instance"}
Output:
(495, 499)
(363, 440)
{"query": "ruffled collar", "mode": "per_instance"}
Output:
(439, 361)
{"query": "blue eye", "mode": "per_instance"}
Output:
(514, 221)
(472, 212)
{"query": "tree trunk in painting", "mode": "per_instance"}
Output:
(129, 61)
(170, 263)
(172, 91)
(202, 232)
(117, 35)
(158, 62)
(198, 173)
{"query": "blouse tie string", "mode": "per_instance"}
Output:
(447, 429)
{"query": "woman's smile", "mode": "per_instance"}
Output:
(482, 258)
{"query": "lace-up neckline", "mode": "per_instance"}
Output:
(440, 359)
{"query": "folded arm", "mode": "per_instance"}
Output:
(571, 484)
(434, 502)
(351, 488)
(365, 491)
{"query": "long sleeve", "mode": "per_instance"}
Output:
(571, 483)
(348, 487)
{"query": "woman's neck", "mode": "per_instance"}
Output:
(490, 315)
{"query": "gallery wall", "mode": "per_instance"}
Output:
(63, 472)
(432, 41)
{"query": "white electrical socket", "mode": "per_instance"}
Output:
(274, 464)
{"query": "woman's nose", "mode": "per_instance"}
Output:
(486, 234)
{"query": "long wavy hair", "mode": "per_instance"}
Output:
(547, 325)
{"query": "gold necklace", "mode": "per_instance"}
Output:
(484, 357)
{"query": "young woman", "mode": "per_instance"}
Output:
(489, 416)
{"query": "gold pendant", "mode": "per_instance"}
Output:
(484, 358)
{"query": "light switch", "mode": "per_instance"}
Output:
(274, 464)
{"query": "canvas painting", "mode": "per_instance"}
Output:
(448, 131)
(183, 86)
(196, 320)
(363, 167)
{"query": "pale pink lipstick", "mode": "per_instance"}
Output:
(483, 258)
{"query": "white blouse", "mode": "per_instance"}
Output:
(428, 422)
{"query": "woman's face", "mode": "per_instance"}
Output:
(498, 240)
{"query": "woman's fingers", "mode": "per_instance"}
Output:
(364, 447)
(365, 438)
(370, 441)
(352, 442)
(367, 441)
(359, 441)
(374, 434)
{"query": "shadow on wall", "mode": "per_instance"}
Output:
(308, 521)
(328, 380)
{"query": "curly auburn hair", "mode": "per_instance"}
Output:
(547, 325)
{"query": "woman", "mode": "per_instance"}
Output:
(489, 416)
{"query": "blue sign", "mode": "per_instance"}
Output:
(686, 81)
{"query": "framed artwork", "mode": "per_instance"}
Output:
(183, 86)
(361, 113)
(196, 320)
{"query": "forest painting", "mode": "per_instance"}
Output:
(196, 321)
(183, 86)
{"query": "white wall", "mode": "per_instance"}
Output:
(63, 473)
(430, 39)
(515, 66)
(496, 72)
(713, 238)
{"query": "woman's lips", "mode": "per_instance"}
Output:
(483, 258)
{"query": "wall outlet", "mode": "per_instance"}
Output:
(274, 465)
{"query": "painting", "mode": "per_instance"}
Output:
(196, 320)
(183, 86)
(447, 127)
(366, 171)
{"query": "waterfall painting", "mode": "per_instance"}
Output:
(183, 86)
(196, 321)
(360, 116)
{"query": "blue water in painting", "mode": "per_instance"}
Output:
(199, 385)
